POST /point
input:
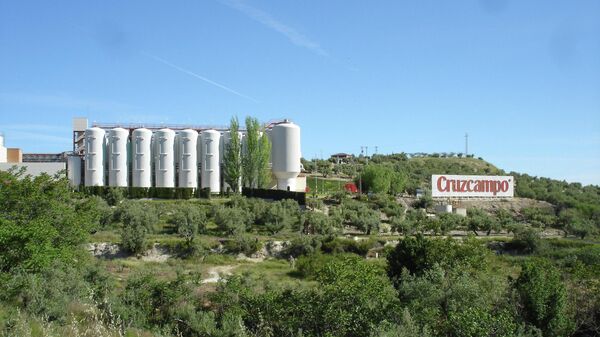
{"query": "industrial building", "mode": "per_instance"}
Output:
(170, 156)
(33, 163)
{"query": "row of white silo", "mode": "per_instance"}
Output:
(166, 158)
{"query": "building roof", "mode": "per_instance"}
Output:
(341, 154)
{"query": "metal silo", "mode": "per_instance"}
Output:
(164, 157)
(94, 157)
(211, 173)
(286, 154)
(118, 165)
(142, 158)
(188, 169)
(74, 170)
(3, 150)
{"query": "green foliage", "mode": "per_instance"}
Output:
(318, 223)
(479, 220)
(352, 298)
(243, 243)
(255, 156)
(190, 220)
(359, 215)
(264, 175)
(418, 254)
(280, 216)
(407, 327)
(526, 239)
(302, 245)
(231, 220)
(115, 195)
(40, 221)
(148, 301)
(381, 179)
(573, 222)
(336, 245)
(138, 221)
(424, 202)
(51, 290)
(539, 217)
(543, 298)
(232, 159)
(413, 221)
(457, 301)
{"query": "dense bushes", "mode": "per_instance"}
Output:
(378, 178)
(138, 221)
(40, 221)
(351, 299)
(417, 254)
(543, 298)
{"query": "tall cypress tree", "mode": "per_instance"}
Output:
(232, 160)
(250, 157)
(264, 156)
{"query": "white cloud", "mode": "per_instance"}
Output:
(191, 73)
(266, 19)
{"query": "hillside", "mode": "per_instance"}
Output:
(235, 266)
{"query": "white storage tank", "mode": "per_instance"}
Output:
(187, 154)
(118, 166)
(94, 156)
(164, 157)
(74, 170)
(142, 158)
(210, 170)
(3, 150)
(286, 154)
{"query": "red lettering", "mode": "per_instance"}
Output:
(439, 184)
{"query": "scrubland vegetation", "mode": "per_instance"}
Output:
(344, 266)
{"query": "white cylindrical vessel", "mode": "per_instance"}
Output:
(118, 168)
(210, 176)
(74, 170)
(141, 140)
(164, 157)
(286, 154)
(187, 154)
(94, 156)
(3, 150)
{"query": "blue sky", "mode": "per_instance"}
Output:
(521, 77)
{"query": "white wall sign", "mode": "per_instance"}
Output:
(445, 185)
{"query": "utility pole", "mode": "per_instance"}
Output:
(466, 144)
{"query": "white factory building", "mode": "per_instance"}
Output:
(170, 156)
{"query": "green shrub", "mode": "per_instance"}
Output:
(231, 220)
(189, 220)
(303, 245)
(418, 254)
(40, 221)
(526, 240)
(148, 301)
(115, 195)
(243, 243)
(543, 298)
(138, 221)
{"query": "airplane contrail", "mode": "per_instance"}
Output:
(191, 73)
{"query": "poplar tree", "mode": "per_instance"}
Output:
(264, 156)
(250, 157)
(232, 161)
